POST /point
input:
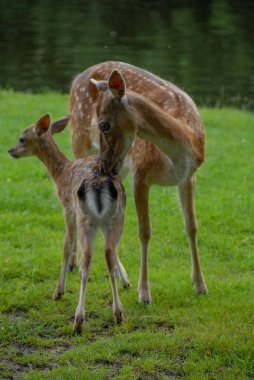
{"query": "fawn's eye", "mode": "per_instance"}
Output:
(104, 126)
(21, 140)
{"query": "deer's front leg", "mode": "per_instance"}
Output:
(123, 274)
(141, 195)
(68, 249)
(186, 192)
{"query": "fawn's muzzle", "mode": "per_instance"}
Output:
(11, 152)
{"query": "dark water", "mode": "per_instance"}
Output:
(206, 47)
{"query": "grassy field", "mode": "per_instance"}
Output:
(180, 335)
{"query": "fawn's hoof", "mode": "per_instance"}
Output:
(78, 325)
(57, 295)
(126, 285)
(118, 315)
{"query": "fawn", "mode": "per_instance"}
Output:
(90, 198)
(146, 125)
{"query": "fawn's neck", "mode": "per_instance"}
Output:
(48, 152)
(172, 137)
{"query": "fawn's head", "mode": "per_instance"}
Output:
(117, 130)
(31, 137)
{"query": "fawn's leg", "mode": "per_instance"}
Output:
(69, 244)
(122, 274)
(112, 235)
(86, 234)
(141, 195)
(186, 192)
(73, 262)
(111, 260)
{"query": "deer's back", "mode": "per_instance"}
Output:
(84, 98)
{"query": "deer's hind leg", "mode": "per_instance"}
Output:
(186, 193)
(86, 234)
(112, 234)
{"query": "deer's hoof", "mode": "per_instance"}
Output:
(118, 313)
(200, 288)
(144, 296)
(57, 295)
(126, 285)
(78, 325)
(119, 317)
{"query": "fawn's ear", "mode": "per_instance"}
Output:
(116, 84)
(59, 125)
(42, 124)
(102, 85)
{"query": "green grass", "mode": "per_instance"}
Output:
(180, 335)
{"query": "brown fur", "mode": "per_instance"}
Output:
(79, 219)
(163, 115)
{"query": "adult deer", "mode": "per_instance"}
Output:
(149, 126)
(90, 199)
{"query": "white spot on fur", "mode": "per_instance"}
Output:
(79, 106)
(166, 105)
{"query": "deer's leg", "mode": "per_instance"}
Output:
(69, 245)
(141, 195)
(112, 264)
(86, 235)
(115, 267)
(186, 193)
(73, 262)
(122, 274)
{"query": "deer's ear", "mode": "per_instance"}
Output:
(59, 125)
(102, 85)
(42, 124)
(116, 84)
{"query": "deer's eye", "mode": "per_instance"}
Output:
(104, 126)
(21, 140)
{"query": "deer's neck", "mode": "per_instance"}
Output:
(54, 160)
(174, 138)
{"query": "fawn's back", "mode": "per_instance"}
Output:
(100, 196)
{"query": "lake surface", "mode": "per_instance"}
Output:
(205, 47)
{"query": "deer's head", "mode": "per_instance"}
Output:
(30, 138)
(117, 129)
